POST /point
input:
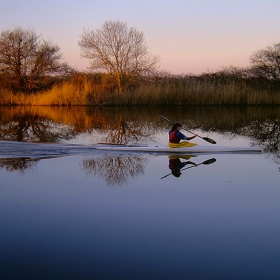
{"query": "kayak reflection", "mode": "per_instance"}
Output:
(176, 165)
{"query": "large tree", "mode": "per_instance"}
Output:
(266, 62)
(118, 50)
(28, 62)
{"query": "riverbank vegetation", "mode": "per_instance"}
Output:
(226, 87)
(123, 72)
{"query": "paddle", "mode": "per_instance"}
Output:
(204, 138)
(206, 162)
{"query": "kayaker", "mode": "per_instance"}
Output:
(175, 136)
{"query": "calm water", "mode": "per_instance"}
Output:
(102, 215)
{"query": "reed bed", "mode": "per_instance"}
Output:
(197, 93)
(182, 90)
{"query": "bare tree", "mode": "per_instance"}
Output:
(27, 61)
(266, 62)
(118, 50)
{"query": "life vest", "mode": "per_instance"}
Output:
(173, 138)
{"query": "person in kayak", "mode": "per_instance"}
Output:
(175, 136)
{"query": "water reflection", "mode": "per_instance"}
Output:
(115, 170)
(48, 124)
(19, 165)
(138, 125)
(177, 166)
(265, 133)
(217, 223)
(119, 169)
(123, 131)
(35, 128)
(22, 164)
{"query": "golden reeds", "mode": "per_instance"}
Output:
(85, 90)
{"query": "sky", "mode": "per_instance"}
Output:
(190, 37)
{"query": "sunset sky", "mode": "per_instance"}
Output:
(189, 36)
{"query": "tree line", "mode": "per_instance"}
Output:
(120, 62)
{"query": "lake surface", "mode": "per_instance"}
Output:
(72, 212)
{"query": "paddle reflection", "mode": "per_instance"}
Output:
(115, 170)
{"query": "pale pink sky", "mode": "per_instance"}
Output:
(189, 36)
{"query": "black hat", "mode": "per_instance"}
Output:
(177, 124)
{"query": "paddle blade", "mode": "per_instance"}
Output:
(209, 161)
(209, 140)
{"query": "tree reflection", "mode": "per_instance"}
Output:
(115, 170)
(19, 165)
(36, 129)
(56, 124)
(124, 132)
(267, 135)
